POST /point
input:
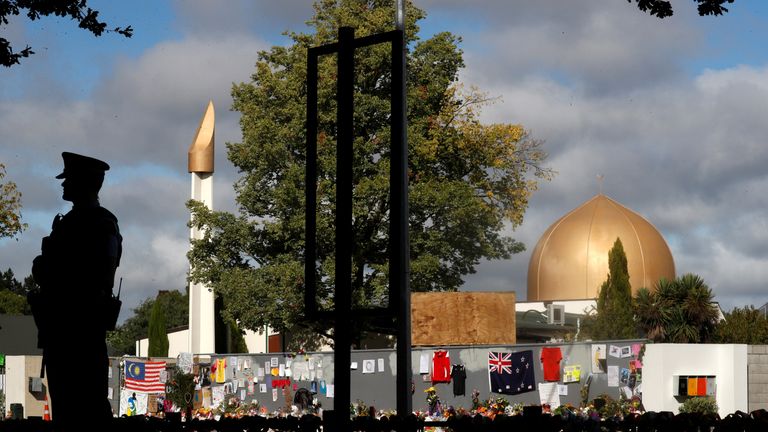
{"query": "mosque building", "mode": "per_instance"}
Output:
(570, 263)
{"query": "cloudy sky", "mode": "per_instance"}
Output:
(672, 112)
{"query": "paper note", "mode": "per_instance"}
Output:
(242, 394)
(353, 366)
(262, 388)
(562, 390)
(110, 392)
(548, 394)
(274, 361)
(613, 376)
(424, 364)
(381, 364)
(274, 395)
(626, 351)
(369, 366)
(329, 390)
(614, 351)
(627, 392)
(260, 372)
(281, 370)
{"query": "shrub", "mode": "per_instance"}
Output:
(701, 405)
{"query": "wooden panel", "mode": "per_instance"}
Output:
(463, 318)
(275, 343)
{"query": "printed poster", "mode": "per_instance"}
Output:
(598, 358)
(140, 402)
(369, 366)
(572, 373)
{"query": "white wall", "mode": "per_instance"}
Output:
(178, 342)
(18, 369)
(728, 363)
(571, 306)
(15, 381)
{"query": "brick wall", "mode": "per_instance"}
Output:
(757, 376)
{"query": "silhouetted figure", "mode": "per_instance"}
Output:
(74, 307)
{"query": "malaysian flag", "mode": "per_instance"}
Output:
(511, 373)
(144, 376)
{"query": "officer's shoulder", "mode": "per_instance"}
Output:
(106, 219)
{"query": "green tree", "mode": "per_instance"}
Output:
(468, 181)
(175, 304)
(678, 311)
(10, 200)
(613, 317)
(13, 299)
(77, 10)
(158, 332)
(745, 325)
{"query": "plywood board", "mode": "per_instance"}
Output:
(463, 318)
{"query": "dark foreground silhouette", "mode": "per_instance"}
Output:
(647, 422)
(74, 307)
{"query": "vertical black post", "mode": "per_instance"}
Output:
(399, 276)
(342, 336)
(310, 207)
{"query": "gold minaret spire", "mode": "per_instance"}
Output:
(200, 154)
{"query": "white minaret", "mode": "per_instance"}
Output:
(202, 338)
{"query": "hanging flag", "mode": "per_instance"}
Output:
(511, 373)
(144, 376)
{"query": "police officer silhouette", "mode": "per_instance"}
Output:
(73, 309)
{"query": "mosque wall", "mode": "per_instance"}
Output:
(666, 363)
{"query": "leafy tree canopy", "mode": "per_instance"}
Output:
(468, 180)
(123, 339)
(678, 311)
(663, 8)
(77, 10)
(745, 325)
(13, 298)
(10, 207)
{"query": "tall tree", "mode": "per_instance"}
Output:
(468, 181)
(158, 333)
(77, 10)
(613, 318)
(678, 311)
(10, 205)
(175, 304)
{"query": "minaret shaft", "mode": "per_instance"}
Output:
(202, 338)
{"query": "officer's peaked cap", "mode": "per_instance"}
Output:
(75, 164)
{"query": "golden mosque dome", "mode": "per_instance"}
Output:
(570, 261)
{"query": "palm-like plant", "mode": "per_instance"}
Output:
(650, 317)
(677, 311)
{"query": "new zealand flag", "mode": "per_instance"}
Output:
(511, 373)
